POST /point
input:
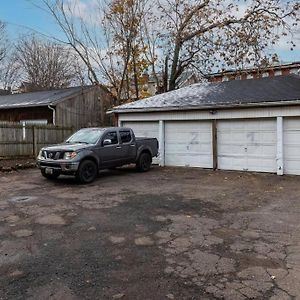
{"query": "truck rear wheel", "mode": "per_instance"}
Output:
(144, 162)
(87, 172)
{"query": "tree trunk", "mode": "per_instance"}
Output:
(135, 77)
(166, 75)
(173, 77)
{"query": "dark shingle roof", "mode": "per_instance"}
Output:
(262, 91)
(41, 98)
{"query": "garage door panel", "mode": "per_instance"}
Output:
(264, 150)
(225, 137)
(292, 166)
(261, 165)
(247, 145)
(291, 152)
(230, 163)
(191, 139)
(173, 148)
(291, 141)
(291, 124)
(292, 138)
(229, 148)
(188, 144)
(191, 160)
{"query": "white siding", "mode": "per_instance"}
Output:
(247, 145)
(237, 113)
(188, 144)
(291, 141)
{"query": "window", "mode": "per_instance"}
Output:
(34, 122)
(111, 136)
(85, 136)
(125, 136)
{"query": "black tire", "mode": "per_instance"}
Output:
(144, 162)
(50, 176)
(87, 172)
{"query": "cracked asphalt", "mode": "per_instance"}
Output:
(171, 233)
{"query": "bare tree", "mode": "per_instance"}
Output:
(45, 65)
(8, 66)
(216, 31)
(10, 73)
(108, 42)
(171, 36)
(3, 41)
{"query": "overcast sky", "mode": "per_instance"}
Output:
(22, 15)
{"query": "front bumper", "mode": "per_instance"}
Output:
(67, 167)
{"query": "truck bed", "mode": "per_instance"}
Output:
(150, 142)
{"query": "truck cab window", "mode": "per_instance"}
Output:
(125, 136)
(111, 136)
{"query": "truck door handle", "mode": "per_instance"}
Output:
(132, 145)
(118, 147)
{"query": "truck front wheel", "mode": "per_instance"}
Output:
(144, 162)
(87, 172)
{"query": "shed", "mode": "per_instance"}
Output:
(76, 107)
(251, 125)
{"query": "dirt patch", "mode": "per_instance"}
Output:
(9, 165)
(51, 220)
(22, 233)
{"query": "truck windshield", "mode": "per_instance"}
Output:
(85, 136)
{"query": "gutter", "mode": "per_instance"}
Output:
(53, 114)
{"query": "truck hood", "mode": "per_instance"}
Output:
(67, 147)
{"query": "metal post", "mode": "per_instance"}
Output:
(35, 141)
(279, 156)
(161, 141)
(215, 144)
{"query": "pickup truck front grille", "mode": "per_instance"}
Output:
(53, 155)
(45, 164)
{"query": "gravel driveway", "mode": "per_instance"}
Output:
(171, 233)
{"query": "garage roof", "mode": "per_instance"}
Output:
(42, 98)
(263, 91)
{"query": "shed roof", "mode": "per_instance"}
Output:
(263, 91)
(41, 98)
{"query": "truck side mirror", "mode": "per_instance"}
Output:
(106, 142)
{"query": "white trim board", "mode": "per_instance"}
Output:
(259, 112)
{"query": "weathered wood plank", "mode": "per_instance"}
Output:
(17, 141)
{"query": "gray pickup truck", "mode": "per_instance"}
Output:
(92, 149)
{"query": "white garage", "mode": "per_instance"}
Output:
(244, 125)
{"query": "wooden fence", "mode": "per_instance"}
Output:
(18, 140)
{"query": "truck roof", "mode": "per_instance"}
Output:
(105, 128)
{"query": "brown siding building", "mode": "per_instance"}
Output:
(76, 107)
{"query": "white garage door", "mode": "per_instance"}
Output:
(291, 150)
(248, 145)
(144, 129)
(188, 143)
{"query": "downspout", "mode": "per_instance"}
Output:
(53, 114)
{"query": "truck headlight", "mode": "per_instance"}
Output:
(70, 155)
(40, 156)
